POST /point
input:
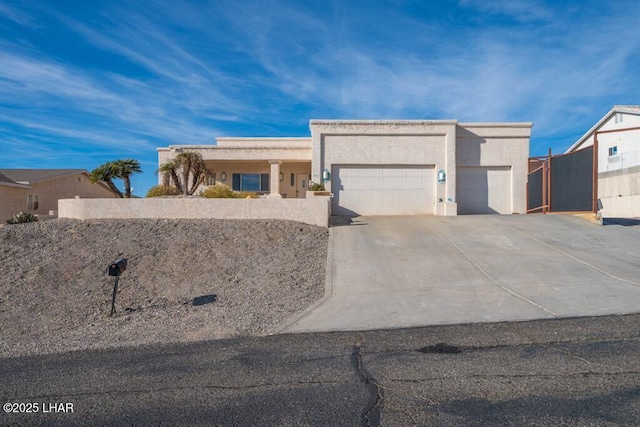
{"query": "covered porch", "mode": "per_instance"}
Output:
(274, 167)
(274, 178)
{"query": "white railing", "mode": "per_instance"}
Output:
(623, 160)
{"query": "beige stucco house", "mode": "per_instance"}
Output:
(37, 191)
(618, 157)
(382, 167)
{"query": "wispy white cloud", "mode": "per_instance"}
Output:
(75, 136)
(135, 106)
(17, 15)
(175, 69)
(520, 10)
(542, 71)
(26, 76)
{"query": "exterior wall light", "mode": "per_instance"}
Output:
(442, 177)
(326, 175)
(223, 176)
(281, 177)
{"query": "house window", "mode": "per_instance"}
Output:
(613, 150)
(293, 180)
(618, 117)
(258, 182)
(210, 179)
(33, 202)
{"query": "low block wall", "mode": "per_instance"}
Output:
(620, 207)
(309, 211)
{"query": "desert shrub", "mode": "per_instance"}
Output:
(21, 218)
(162, 190)
(219, 191)
(316, 187)
(247, 195)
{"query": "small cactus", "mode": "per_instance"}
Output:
(21, 218)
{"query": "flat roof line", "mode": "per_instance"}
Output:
(381, 122)
(266, 138)
(498, 124)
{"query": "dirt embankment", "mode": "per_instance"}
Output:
(55, 294)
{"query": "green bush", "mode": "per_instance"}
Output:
(220, 191)
(162, 190)
(316, 187)
(21, 218)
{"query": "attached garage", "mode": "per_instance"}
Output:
(383, 189)
(484, 190)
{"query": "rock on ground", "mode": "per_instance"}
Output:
(55, 294)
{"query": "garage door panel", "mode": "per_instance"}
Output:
(483, 190)
(382, 190)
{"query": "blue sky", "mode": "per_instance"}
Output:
(84, 82)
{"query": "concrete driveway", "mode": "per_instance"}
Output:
(395, 272)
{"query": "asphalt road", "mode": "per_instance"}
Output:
(549, 372)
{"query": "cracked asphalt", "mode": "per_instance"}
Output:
(581, 371)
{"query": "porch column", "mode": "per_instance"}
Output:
(274, 183)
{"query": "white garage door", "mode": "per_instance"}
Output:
(382, 190)
(483, 190)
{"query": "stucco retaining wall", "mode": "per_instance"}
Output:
(619, 193)
(309, 211)
(620, 183)
(620, 207)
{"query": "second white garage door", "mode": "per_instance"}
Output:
(382, 190)
(483, 190)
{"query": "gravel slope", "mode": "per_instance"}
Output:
(55, 294)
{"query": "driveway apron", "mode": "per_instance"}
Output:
(394, 272)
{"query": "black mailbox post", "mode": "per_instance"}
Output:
(116, 269)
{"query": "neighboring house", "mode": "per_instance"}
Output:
(385, 167)
(618, 158)
(37, 191)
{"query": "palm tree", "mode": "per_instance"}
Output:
(125, 168)
(122, 169)
(185, 167)
(169, 171)
(193, 166)
(106, 173)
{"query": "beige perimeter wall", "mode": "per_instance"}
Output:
(313, 211)
(619, 193)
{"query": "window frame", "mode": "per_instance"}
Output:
(238, 182)
(33, 202)
(210, 179)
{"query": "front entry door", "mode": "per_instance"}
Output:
(302, 184)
